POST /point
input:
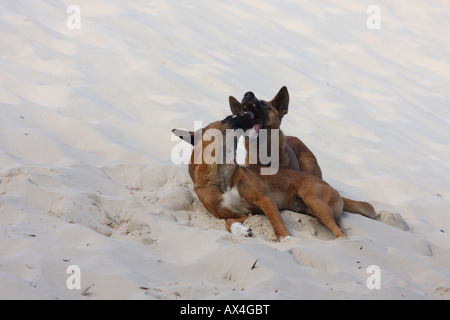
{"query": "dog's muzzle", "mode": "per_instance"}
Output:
(252, 107)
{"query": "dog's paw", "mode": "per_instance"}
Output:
(239, 229)
(285, 239)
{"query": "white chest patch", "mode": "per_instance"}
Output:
(233, 201)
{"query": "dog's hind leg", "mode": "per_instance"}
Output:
(327, 215)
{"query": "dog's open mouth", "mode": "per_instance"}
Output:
(255, 126)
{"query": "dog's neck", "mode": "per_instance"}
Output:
(217, 170)
(281, 140)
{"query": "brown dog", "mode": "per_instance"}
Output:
(293, 153)
(231, 192)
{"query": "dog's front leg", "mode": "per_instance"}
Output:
(269, 207)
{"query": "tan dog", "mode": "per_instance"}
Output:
(293, 153)
(231, 192)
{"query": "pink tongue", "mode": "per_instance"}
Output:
(254, 131)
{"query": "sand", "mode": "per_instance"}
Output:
(87, 179)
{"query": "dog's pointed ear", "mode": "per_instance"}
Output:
(281, 101)
(187, 136)
(235, 106)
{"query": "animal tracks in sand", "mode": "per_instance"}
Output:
(123, 202)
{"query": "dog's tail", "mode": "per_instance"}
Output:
(359, 207)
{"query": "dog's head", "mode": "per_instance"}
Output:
(267, 114)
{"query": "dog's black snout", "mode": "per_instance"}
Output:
(249, 95)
